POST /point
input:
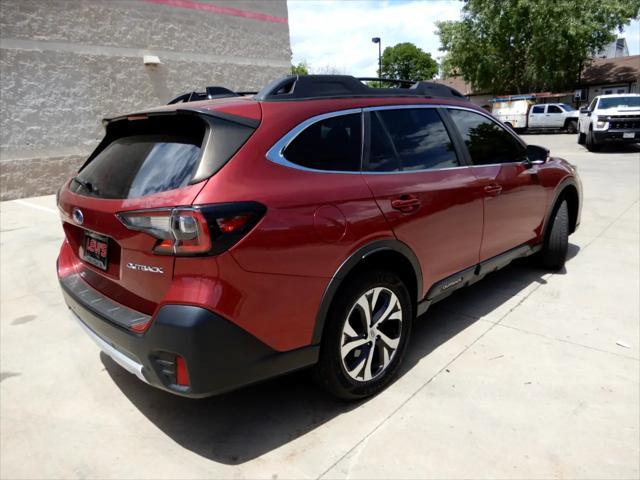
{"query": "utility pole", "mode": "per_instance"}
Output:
(379, 42)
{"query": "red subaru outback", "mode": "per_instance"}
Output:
(216, 243)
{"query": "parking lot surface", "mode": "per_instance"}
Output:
(526, 374)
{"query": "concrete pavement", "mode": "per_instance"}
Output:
(524, 375)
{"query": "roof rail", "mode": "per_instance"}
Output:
(309, 87)
(210, 93)
(401, 83)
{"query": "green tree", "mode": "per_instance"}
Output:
(521, 46)
(301, 68)
(405, 61)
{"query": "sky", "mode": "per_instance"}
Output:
(336, 35)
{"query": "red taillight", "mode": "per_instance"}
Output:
(232, 224)
(182, 376)
(208, 229)
(181, 231)
(190, 233)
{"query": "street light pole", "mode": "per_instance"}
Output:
(379, 42)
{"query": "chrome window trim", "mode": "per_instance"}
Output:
(423, 170)
(274, 154)
(401, 107)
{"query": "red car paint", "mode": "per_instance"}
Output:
(271, 283)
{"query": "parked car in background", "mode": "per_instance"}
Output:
(216, 243)
(522, 113)
(610, 118)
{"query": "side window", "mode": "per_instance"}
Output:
(537, 109)
(593, 104)
(382, 157)
(488, 142)
(330, 144)
(554, 109)
(418, 141)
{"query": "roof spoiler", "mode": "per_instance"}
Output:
(209, 94)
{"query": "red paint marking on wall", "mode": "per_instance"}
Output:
(208, 7)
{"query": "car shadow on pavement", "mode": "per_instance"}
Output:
(239, 426)
(607, 148)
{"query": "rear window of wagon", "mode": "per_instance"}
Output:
(158, 154)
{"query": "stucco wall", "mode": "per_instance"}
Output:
(67, 64)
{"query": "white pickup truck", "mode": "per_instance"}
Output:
(521, 112)
(610, 118)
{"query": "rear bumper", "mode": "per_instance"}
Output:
(617, 136)
(219, 355)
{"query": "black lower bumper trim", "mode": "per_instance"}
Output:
(616, 136)
(219, 355)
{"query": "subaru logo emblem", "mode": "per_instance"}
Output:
(78, 217)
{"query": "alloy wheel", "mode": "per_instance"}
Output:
(371, 334)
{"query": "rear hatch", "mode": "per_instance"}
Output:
(147, 164)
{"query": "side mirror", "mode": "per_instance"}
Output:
(585, 110)
(536, 155)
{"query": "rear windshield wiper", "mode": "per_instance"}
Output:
(90, 187)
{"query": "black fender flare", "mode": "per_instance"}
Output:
(347, 267)
(559, 191)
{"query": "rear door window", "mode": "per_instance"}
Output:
(332, 144)
(382, 154)
(417, 139)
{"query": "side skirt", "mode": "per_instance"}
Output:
(447, 286)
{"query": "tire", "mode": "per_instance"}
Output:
(556, 243)
(358, 360)
(508, 124)
(572, 126)
(581, 138)
(591, 143)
